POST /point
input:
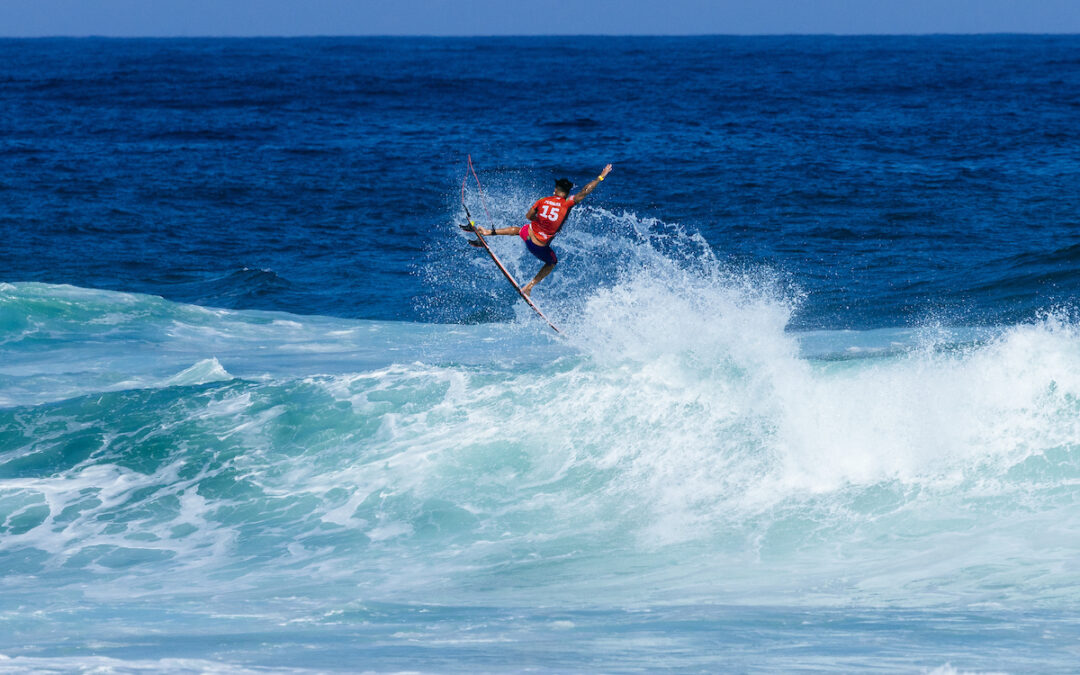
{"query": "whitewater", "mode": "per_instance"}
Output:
(680, 481)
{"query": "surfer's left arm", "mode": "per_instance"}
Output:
(589, 187)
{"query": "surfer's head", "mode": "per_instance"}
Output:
(563, 186)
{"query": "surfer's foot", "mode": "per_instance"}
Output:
(527, 289)
(476, 243)
(468, 228)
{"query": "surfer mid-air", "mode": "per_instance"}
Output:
(545, 219)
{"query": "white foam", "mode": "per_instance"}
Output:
(679, 414)
(947, 669)
(207, 370)
(105, 664)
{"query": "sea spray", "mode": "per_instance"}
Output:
(678, 444)
(724, 449)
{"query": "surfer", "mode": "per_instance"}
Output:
(545, 219)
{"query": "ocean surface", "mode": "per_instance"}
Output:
(815, 405)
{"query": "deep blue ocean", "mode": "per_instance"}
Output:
(815, 405)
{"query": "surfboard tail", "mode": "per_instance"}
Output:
(513, 282)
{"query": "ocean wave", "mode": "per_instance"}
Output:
(678, 434)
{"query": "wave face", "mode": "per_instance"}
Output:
(677, 447)
(677, 451)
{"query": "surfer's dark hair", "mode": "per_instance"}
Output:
(564, 185)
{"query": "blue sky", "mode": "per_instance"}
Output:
(24, 18)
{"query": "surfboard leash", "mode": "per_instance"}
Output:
(480, 189)
(463, 204)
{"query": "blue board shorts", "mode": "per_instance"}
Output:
(545, 254)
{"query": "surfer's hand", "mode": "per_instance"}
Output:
(606, 171)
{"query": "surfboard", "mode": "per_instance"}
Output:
(512, 280)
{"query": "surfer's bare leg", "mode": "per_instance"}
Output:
(544, 271)
(471, 227)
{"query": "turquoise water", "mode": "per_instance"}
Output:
(247, 488)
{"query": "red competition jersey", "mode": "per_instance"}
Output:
(550, 214)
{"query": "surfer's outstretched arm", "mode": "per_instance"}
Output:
(589, 187)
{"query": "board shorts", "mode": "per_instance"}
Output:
(545, 254)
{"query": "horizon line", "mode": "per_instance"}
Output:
(229, 36)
